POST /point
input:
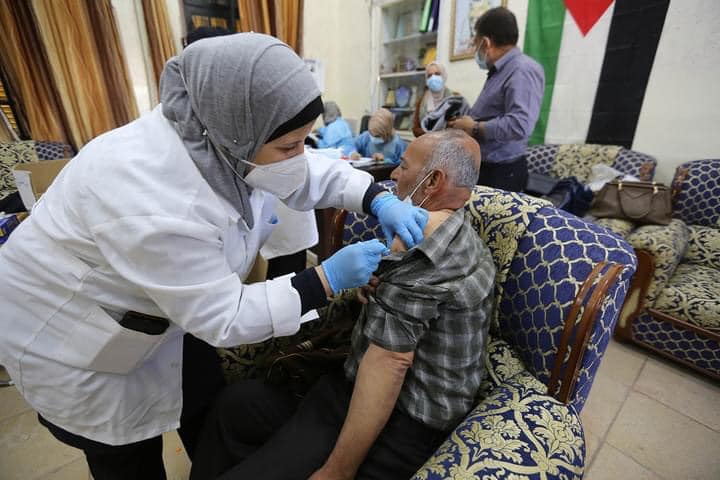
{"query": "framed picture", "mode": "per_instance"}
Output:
(464, 15)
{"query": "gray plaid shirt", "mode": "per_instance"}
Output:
(435, 300)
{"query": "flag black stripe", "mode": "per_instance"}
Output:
(629, 55)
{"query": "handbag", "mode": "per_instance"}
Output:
(639, 202)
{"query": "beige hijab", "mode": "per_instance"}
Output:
(381, 124)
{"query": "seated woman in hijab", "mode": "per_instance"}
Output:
(436, 92)
(336, 133)
(380, 142)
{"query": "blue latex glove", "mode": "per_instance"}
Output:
(399, 218)
(352, 266)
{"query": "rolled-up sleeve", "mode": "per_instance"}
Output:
(397, 319)
(523, 96)
(181, 266)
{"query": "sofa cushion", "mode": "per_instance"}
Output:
(10, 155)
(616, 225)
(667, 245)
(577, 160)
(517, 432)
(703, 246)
(693, 295)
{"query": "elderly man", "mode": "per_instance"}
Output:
(416, 359)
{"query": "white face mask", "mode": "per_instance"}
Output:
(408, 198)
(282, 178)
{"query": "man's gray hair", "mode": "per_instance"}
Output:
(450, 155)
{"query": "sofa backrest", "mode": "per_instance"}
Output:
(696, 192)
(541, 158)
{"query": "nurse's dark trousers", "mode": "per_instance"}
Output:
(202, 381)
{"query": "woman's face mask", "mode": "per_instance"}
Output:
(376, 140)
(282, 178)
(435, 83)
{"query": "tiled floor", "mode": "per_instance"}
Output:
(646, 419)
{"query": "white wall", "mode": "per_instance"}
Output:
(680, 118)
(337, 32)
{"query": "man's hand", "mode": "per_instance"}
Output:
(364, 292)
(355, 156)
(465, 122)
(378, 157)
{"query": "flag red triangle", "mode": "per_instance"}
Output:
(587, 12)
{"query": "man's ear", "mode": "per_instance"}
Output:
(436, 180)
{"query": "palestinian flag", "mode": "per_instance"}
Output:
(598, 56)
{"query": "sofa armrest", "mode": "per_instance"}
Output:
(514, 430)
(666, 244)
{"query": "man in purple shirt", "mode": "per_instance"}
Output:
(506, 110)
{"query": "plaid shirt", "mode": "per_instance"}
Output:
(435, 300)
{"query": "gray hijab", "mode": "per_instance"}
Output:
(235, 89)
(332, 112)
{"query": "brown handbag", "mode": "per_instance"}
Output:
(639, 202)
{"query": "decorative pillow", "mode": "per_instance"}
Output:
(703, 246)
(667, 245)
(577, 160)
(616, 225)
(692, 295)
(10, 155)
(515, 433)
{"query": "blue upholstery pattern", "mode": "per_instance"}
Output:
(553, 259)
(540, 158)
(47, 150)
(680, 343)
(698, 199)
(640, 165)
(517, 432)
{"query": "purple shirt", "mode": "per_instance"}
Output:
(509, 104)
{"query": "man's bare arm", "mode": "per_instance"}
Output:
(377, 386)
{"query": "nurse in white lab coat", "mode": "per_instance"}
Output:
(164, 217)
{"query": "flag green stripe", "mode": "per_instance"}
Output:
(543, 34)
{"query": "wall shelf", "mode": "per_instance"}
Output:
(412, 73)
(415, 36)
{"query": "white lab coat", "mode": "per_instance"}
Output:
(130, 224)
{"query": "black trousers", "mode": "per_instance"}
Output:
(261, 431)
(202, 382)
(511, 176)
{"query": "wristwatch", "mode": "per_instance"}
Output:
(476, 131)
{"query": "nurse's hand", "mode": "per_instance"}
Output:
(399, 218)
(353, 265)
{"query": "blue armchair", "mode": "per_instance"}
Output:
(560, 284)
(673, 307)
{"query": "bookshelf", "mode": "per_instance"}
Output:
(402, 32)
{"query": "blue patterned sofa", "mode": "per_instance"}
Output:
(673, 306)
(560, 284)
(577, 160)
